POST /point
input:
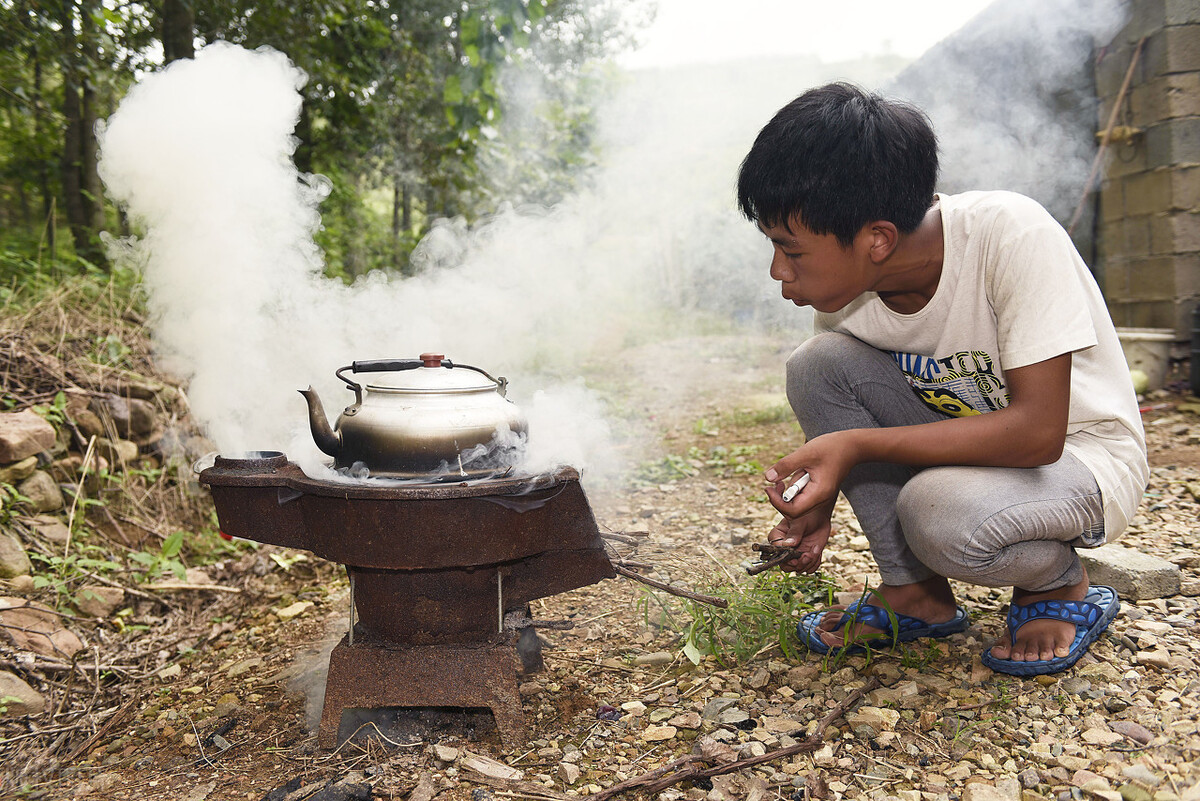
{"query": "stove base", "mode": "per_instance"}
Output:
(373, 675)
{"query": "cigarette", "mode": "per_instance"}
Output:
(794, 490)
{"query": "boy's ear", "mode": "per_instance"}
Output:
(884, 238)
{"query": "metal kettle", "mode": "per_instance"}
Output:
(433, 419)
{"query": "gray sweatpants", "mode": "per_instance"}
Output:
(995, 526)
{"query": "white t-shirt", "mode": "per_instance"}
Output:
(1013, 292)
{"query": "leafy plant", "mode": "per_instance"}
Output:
(780, 413)
(110, 350)
(735, 460)
(59, 574)
(10, 500)
(669, 468)
(166, 560)
(56, 413)
(762, 612)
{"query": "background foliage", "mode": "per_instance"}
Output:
(415, 110)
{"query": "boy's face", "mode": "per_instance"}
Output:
(815, 270)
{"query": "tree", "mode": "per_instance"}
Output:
(403, 109)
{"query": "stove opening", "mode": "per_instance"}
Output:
(410, 725)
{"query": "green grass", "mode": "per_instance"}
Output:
(761, 615)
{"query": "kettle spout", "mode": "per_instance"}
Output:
(326, 438)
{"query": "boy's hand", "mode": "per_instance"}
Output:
(826, 459)
(808, 535)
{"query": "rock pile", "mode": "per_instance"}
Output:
(52, 458)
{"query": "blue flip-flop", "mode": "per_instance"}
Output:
(1091, 617)
(906, 629)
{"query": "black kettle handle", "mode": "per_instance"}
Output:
(396, 365)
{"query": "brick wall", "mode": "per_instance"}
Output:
(1148, 229)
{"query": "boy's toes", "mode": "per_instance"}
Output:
(830, 619)
(1001, 648)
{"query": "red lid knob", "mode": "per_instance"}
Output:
(432, 359)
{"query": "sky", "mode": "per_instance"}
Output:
(698, 31)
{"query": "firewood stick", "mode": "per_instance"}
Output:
(777, 555)
(667, 588)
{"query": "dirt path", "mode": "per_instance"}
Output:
(701, 416)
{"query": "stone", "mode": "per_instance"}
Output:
(242, 667)
(88, 423)
(714, 708)
(17, 472)
(633, 708)
(42, 491)
(226, 705)
(22, 585)
(24, 434)
(781, 725)
(1134, 731)
(490, 768)
(68, 471)
(444, 753)
(759, 679)
(686, 720)
(34, 627)
(568, 773)
(1098, 736)
(21, 699)
(13, 559)
(98, 600)
(131, 417)
(1100, 670)
(656, 659)
(1073, 763)
(1136, 576)
(118, 452)
(1143, 775)
(873, 716)
(1159, 658)
(51, 529)
(293, 610)
(978, 791)
(655, 734)
(1135, 792)
(105, 782)
(170, 672)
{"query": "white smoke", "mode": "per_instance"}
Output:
(200, 155)
(1012, 98)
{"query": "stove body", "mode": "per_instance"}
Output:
(441, 575)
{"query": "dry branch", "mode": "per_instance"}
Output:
(667, 588)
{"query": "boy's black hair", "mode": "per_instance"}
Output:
(837, 158)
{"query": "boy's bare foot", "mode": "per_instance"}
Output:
(1040, 640)
(930, 600)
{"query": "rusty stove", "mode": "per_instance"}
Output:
(441, 576)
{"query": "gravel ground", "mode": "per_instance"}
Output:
(1122, 724)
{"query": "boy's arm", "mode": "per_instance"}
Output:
(1029, 432)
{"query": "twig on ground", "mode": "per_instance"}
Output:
(667, 588)
(165, 586)
(113, 720)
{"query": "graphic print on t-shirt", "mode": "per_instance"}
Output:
(959, 385)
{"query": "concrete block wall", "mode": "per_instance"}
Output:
(1148, 225)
